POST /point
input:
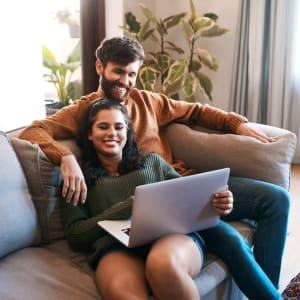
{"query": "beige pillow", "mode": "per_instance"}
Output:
(245, 156)
(44, 181)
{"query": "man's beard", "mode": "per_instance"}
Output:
(111, 91)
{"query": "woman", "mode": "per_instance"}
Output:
(113, 167)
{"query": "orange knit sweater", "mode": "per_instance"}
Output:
(149, 112)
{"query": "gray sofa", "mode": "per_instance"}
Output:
(35, 259)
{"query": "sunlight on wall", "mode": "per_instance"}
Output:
(24, 27)
(21, 65)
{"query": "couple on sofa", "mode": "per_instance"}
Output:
(118, 62)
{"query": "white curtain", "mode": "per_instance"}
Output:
(266, 78)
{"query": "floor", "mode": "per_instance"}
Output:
(291, 258)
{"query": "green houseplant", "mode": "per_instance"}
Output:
(60, 74)
(171, 69)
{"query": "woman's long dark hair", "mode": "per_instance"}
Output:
(132, 158)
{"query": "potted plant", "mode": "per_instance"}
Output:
(71, 19)
(171, 69)
(60, 74)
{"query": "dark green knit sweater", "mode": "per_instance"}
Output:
(109, 198)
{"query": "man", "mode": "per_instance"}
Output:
(118, 62)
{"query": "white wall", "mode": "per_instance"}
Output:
(22, 95)
(221, 47)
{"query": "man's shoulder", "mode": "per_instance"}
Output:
(88, 98)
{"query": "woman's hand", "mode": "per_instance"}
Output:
(223, 202)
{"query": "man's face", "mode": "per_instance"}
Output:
(117, 80)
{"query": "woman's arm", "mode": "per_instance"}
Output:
(81, 230)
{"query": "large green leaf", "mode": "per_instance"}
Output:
(172, 88)
(195, 65)
(49, 60)
(177, 70)
(187, 29)
(173, 82)
(160, 27)
(147, 78)
(163, 62)
(133, 25)
(212, 16)
(145, 32)
(216, 30)
(189, 86)
(173, 20)
(206, 58)
(148, 13)
(201, 22)
(193, 10)
(205, 84)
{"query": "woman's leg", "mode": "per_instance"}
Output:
(121, 276)
(171, 265)
(268, 205)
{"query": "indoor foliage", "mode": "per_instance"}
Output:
(171, 69)
(60, 74)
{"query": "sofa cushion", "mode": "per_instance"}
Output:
(18, 220)
(44, 182)
(37, 273)
(245, 156)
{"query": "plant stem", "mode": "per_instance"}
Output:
(191, 54)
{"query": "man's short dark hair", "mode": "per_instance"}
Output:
(120, 50)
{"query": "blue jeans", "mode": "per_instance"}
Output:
(255, 272)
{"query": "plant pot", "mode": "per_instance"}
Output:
(52, 108)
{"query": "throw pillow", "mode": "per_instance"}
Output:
(18, 220)
(245, 156)
(44, 181)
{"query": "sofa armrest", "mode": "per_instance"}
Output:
(206, 150)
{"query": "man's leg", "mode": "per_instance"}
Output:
(225, 242)
(268, 205)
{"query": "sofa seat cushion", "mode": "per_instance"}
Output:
(54, 271)
(18, 221)
(39, 273)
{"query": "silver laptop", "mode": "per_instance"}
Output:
(180, 205)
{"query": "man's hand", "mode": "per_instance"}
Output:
(245, 129)
(74, 187)
(223, 202)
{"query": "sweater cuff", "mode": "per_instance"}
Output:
(234, 121)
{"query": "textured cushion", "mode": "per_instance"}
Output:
(18, 219)
(246, 156)
(44, 182)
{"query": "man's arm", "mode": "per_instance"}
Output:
(74, 186)
(64, 124)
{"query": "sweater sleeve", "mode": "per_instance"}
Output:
(168, 110)
(81, 230)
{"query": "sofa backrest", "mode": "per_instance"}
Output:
(201, 150)
(19, 226)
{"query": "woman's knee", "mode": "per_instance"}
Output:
(172, 256)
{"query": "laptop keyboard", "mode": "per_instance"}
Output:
(126, 230)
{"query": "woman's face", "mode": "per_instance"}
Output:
(109, 133)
